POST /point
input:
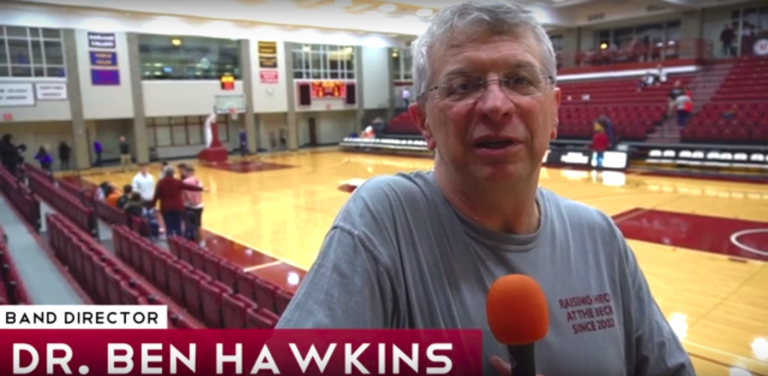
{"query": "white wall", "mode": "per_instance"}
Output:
(42, 111)
(37, 134)
(104, 102)
(330, 126)
(270, 97)
(376, 77)
(182, 98)
(269, 126)
(108, 132)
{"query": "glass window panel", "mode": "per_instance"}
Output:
(21, 71)
(298, 60)
(179, 134)
(34, 32)
(299, 74)
(51, 34)
(19, 51)
(188, 58)
(162, 135)
(315, 60)
(38, 71)
(16, 31)
(195, 132)
(350, 75)
(37, 52)
(3, 54)
(4, 71)
(55, 71)
(54, 55)
(2, 30)
(396, 72)
(750, 18)
(150, 135)
(763, 21)
(161, 121)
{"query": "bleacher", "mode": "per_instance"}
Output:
(743, 94)
(200, 289)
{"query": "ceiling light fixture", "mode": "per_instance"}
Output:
(424, 12)
(386, 8)
(342, 3)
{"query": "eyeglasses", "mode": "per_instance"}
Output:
(466, 87)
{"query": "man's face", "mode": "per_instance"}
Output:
(520, 124)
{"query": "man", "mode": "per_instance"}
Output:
(144, 184)
(98, 150)
(727, 35)
(406, 97)
(684, 105)
(676, 91)
(125, 153)
(169, 193)
(193, 206)
(243, 143)
(420, 250)
(378, 126)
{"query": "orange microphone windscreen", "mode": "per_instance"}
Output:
(517, 310)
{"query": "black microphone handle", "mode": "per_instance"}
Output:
(522, 358)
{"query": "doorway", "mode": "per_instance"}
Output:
(312, 132)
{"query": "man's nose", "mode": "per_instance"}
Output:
(495, 102)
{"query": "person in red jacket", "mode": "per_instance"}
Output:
(600, 143)
(169, 191)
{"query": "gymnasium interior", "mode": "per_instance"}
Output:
(301, 82)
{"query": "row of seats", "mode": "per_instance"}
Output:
(216, 292)
(105, 279)
(62, 201)
(12, 289)
(21, 197)
(729, 135)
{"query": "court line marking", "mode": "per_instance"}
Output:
(281, 259)
(735, 240)
(262, 266)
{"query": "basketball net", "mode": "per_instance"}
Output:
(233, 113)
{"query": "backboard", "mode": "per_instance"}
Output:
(225, 103)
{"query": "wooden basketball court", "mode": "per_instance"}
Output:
(702, 244)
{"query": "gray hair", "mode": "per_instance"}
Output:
(468, 18)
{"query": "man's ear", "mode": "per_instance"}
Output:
(419, 117)
(556, 121)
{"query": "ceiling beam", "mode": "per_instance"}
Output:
(680, 4)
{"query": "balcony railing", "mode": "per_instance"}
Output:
(637, 53)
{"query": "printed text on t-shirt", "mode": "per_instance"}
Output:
(589, 313)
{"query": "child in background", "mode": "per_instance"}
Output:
(44, 158)
(600, 143)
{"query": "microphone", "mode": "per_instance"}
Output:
(518, 316)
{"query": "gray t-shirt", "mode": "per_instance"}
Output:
(400, 256)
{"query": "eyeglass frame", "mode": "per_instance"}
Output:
(549, 78)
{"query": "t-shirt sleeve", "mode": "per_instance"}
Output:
(657, 349)
(346, 287)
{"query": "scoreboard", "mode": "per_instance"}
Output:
(328, 89)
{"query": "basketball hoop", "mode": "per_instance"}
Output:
(233, 113)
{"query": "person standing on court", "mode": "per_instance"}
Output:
(144, 184)
(169, 192)
(125, 153)
(243, 143)
(420, 250)
(65, 152)
(193, 206)
(98, 149)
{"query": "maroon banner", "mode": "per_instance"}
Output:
(240, 352)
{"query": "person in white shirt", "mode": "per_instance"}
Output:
(144, 184)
